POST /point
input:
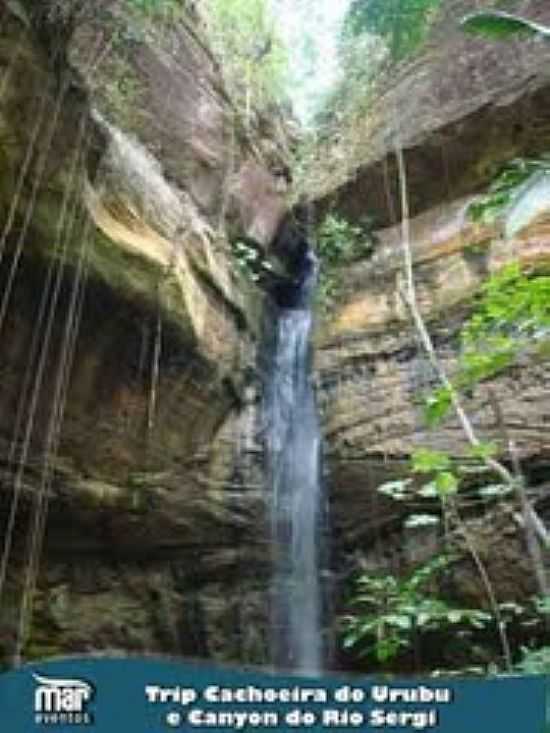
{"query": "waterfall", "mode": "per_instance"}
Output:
(293, 456)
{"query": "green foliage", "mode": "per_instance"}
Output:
(391, 612)
(425, 460)
(534, 660)
(446, 477)
(512, 305)
(249, 260)
(437, 405)
(484, 450)
(444, 482)
(512, 312)
(402, 24)
(484, 359)
(253, 58)
(497, 24)
(339, 242)
(246, 258)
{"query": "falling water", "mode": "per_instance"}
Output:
(296, 501)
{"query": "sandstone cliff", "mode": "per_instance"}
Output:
(126, 170)
(458, 122)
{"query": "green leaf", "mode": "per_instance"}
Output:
(365, 599)
(349, 641)
(497, 24)
(395, 489)
(388, 647)
(421, 520)
(446, 483)
(483, 450)
(425, 460)
(428, 491)
(402, 25)
(400, 620)
(437, 406)
(478, 365)
(339, 242)
(454, 617)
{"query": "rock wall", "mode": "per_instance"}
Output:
(125, 171)
(374, 373)
(461, 109)
(458, 123)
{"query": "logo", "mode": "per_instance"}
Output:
(62, 702)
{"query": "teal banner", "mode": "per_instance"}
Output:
(148, 696)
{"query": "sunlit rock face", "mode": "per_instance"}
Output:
(373, 366)
(164, 88)
(374, 375)
(154, 538)
(463, 108)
